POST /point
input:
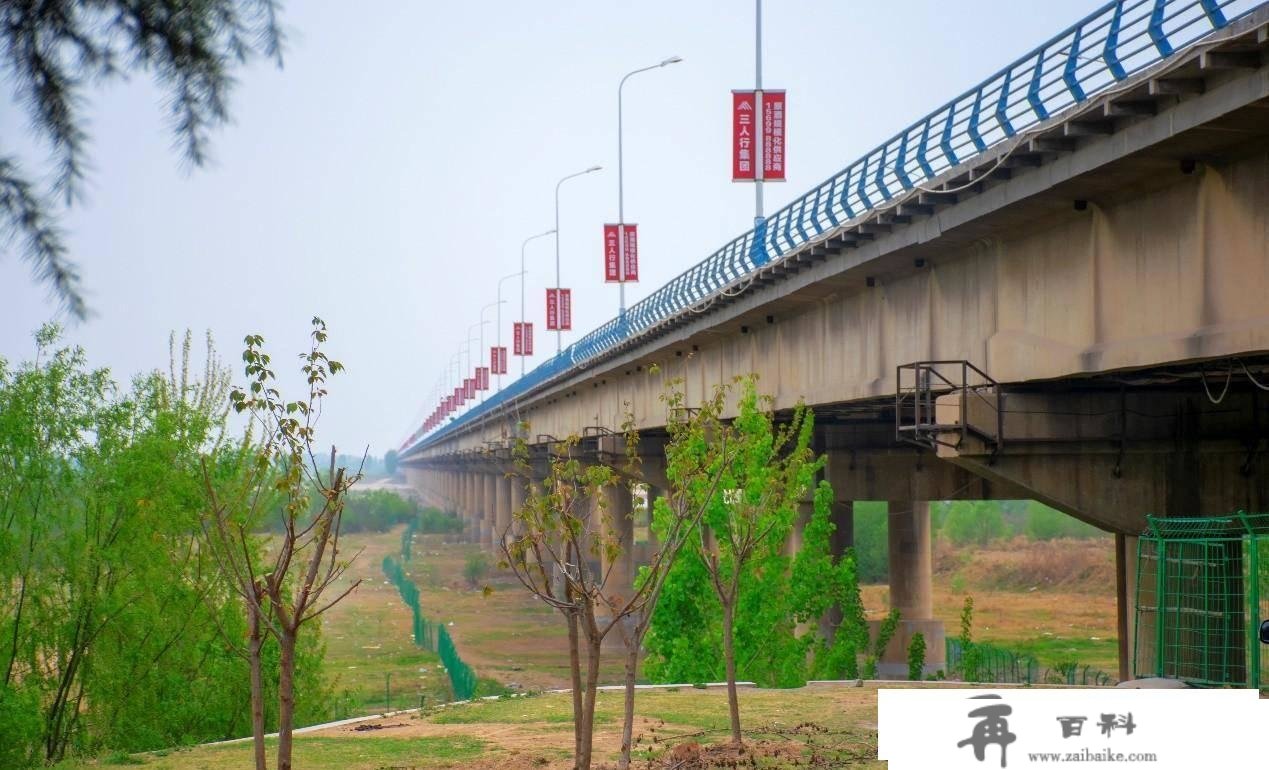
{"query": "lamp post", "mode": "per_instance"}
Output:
(758, 217)
(522, 272)
(498, 323)
(483, 323)
(471, 339)
(559, 333)
(621, 193)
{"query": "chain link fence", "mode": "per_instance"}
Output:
(429, 635)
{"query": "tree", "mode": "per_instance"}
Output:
(108, 610)
(566, 535)
(674, 521)
(54, 51)
(766, 472)
(390, 462)
(304, 560)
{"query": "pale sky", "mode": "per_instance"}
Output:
(386, 176)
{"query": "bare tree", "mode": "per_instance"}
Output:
(282, 581)
(563, 526)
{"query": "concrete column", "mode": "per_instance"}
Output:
(618, 522)
(488, 506)
(517, 488)
(1126, 601)
(502, 509)
(911, 577)
(911, 589)
(471, 507)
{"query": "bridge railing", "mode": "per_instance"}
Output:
(1087, 59)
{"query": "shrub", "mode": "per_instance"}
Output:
(476, 568)
(916, 657)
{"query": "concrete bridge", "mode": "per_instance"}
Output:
(1071, 305)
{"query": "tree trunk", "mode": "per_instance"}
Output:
(575, 669)
(286, 697)
(729, 655)
(627, 726)
(254, 646)
(592, 690)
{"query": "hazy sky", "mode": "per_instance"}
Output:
(386, 176)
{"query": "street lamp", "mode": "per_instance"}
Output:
(498, 323)
(483, 323)
(522, 272)
(559, 333)
(621, 193)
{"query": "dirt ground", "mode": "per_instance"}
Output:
(1053, 600)
(809, 727)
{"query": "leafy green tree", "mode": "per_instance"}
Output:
(1045, 523)
(762, 477)
(390, 462)
(973, 522)
(871, 544)
(55, 52)
(110, 617)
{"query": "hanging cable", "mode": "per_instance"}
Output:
(1228, 376)
(1247, 372)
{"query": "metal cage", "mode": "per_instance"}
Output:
(1202, 591)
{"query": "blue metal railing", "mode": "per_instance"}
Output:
(1118, 40)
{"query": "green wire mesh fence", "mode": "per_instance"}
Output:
(432, 636)
(1202, 590)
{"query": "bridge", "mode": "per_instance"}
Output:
(1052, 287)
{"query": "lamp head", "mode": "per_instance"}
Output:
(672, 60)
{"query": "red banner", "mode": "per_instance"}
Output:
(744, 131)
(747, 136)
(482, 378)
(517, 337)
(566, 309)
(630, 255)
(493, 360)
(773, 136)
(502, 361)
(612, 254)
(469, 388)
(528, 339)
(552, 310)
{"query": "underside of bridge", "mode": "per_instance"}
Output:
(1078, 318)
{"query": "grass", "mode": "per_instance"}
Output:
(535, 732)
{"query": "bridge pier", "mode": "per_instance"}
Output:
(911, 589)
(488, 508)
(618, 523)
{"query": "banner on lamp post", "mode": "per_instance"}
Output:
(749, 134)
(528, 339)
(566, 309)
(744, 135)
(630, 254)
(612, 253)
(482, 375)
(502, 360)
(517, 338)
(773, 136)
(493, 360)
(552, 309)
